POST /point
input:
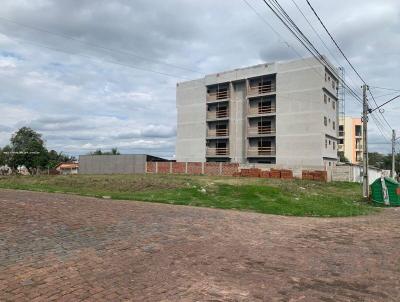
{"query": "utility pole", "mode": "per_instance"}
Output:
(392, 172)
(365, 143)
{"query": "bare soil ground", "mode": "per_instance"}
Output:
(71, 248)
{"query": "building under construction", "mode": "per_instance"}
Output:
(283, 113)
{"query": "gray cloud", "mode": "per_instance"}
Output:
(80, 101)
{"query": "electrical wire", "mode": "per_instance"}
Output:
(398, 90)
(319, 36)
(96, 58)
(384, 118)
(348, 61)
(333, 40)
(127, 53)
(281, 14)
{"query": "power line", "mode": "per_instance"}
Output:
(348, 61)
(398, 90)
(315, 31)
(392, 99)
(96, 58)
(280, 36)
(128, 53)
(386, 94)
(318, 35)
(333, 40)
(285, 15)
(281, 14)
(384, 118)
(379, 126)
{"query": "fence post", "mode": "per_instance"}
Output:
(156, 167)
(202, 167)
(220, 169)
(170, 167)
(186, 168)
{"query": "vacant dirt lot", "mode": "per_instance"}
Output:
(70, 248)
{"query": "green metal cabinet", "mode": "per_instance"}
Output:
(386, 191)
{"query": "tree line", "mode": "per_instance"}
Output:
(27, 148)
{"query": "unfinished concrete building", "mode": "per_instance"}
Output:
(282, 113)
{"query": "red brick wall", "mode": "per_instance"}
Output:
(178, 168)
(229, 169)
(151, 167)
(252, 172)
(265, 174)
(315, 175)
(194, 168)
(163, 167)
(211, 168)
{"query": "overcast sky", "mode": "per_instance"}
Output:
(91, 74)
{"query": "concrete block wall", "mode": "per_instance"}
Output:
(112, 164)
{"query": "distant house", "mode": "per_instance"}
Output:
(68, 168)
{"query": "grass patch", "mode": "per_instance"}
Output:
(273, 196)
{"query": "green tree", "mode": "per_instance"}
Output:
(114, 151)
(376, 159)
(342, 158)
(28, 149)
(2, 158)
(383, 161)
(56, 158)
(5, 156)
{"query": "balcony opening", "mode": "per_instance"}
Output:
(264, 127)
(222, 111)
(221, 148)
(359, 143)
(218, 110)
(218, 160)
(218, 92)
(262, 160)
(358, 130)
(358, 156)
(261, 105)
(261, 147)
(261, 85)
(341, 130)
(264, 147)
(217, 128)
(265, 106)
(217, 147)
(221, 129)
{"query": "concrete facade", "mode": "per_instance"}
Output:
(281, 113)
(350, 139)
(115, 164)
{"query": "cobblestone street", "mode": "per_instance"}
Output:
(70, 248)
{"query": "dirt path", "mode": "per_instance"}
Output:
(70, 248)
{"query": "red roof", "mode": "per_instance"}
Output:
(62, 166)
